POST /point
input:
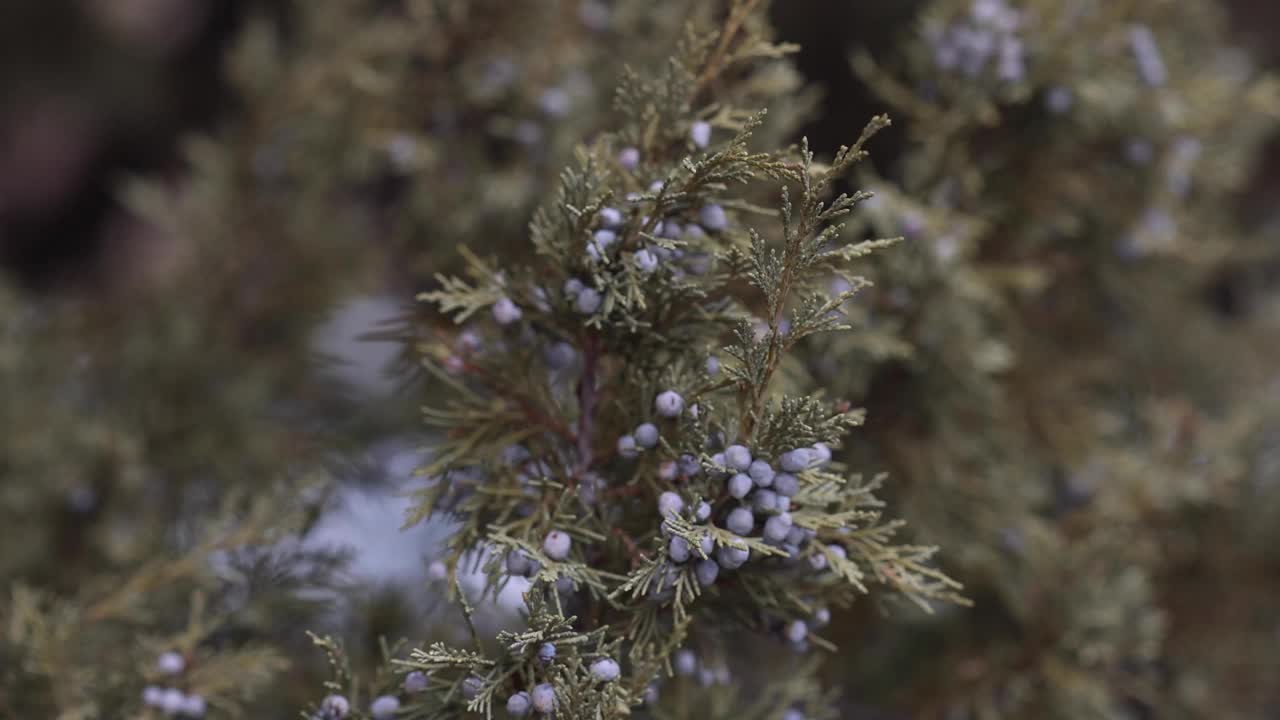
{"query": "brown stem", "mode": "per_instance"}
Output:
(587, 400)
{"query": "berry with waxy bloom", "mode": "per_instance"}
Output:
(798, 460)
(706, 571)
(713, 217)
(740, 485)
(415, 682)
(700, 133)
(761, 472)
(605, 670)
(702, 512)
(629, 158)
(737, 457)
(546, 652)
(740, 521)
(777, 527)
(731, 557)
(171, 663)
(334, 707)
(518, 704)
(587, 301)
(678, 550)
(797, 631)
(556, 545)
(543, 698)
(685, 662)
(786, 484)
(627, 447)
(646, 434)
(670, 503)
(668, 404)
(384, 707)
(505, 311)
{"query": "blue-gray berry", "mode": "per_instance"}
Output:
(685, 662)
(713, 217)
(505, 311)
(731, 557)
(518, 563)
(646, 262)
(334, 707)
(560, 355)
(706, 571)
(572, 287)
(785, 484)
(171, 663)
(193, 706)
(668, 404)
(689, 465)
(702, 512)
(415, 682)
(518, 704)
(761, 472)
(646, 434)
(796, 536)
(556, 545)
(740, 485)
(543, 698)
(797, 631)
(793, 714)
(737, 457)
(384, 707)
(713, 365)
(707, 544)
(546, 652)
(629, 158)
(764, 501)
(611, 217)
(782, 504)
(152, 696)
(821, 617)
(821, 453)
(472, 686)
(605, 670)
(798, 460)
(678, 549)
(740, 521)
(818, 562)
(838, 551)
(171, 701)
(700, 133)
(587, 301)
(670, 503)
(777, 527)
(627, 447)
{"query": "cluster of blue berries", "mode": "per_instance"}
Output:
(542, 697)
(989, 32)
(170, 700)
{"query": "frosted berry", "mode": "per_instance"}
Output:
(786, 484)
(712, 217)
(670, 503)
(572, 287)
(740, 485)
(821, 617)
(560, 355)
(818, 562)
(793, 714)
(605, 670)
(543, 698)
(587, 301)
(706, 571)
(646, 262)
(518, 704)
(686, 662)
(821, 453)
(707, 544)
(152, 696)
(782, 504)
(629, 158)
(669, 229)
(546, 652)
(668, 404)
(797, 631)
(556, 545)
(193, 706)
(764, 501)
(838, 551)
(611, 217)
(740, 521)
(713, 365)
(471, 687)
(437, 571)
(667, 470)
(171, 701)
(732, 558)
(171, 663)
(646, 434)
(334, 707)
(702, 512)
(761, 473)
(689, 464)
(518, 563)
(700, 133)
(627, 447)
(718, 460)
(737, 457)
(415, 682)
(777, 527)
(505, 312)
(797, 460)
(678, 550)
(384, 707)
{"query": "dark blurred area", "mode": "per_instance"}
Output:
(95, 90)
